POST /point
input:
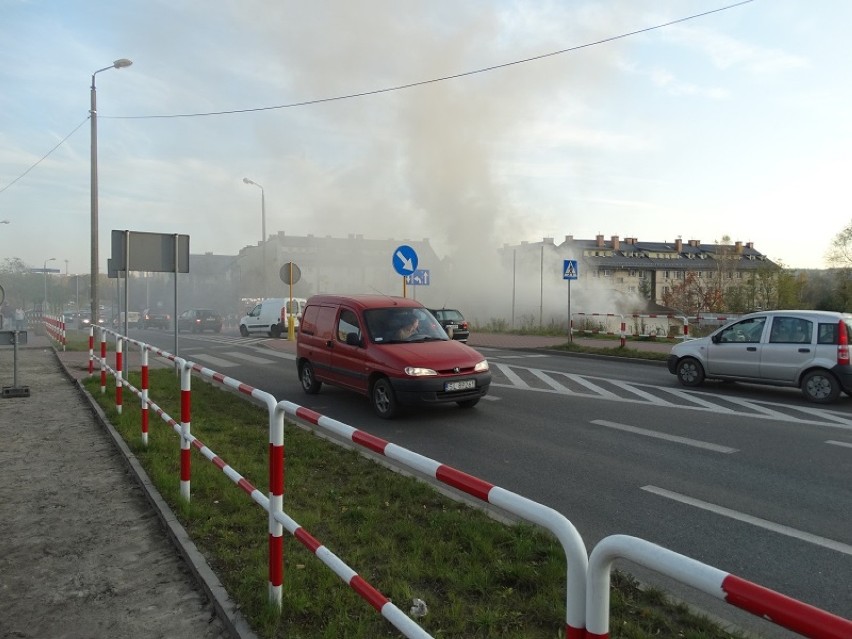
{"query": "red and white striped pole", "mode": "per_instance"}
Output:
(91, 350)
(276, 505)
(62, 331)
(103, 360)
(623, 339)
(144, 395)
(185, 401)
(118, 383)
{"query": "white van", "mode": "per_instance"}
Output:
(294, 306)
(267, 316)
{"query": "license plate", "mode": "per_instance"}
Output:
(462, 385)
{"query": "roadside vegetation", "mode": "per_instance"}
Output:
(478, 577)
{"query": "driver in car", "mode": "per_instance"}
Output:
(408, 328)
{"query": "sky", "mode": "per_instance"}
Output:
(549, 123)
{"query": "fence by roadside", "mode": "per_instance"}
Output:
(585, 617)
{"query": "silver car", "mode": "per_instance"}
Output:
(805, 349)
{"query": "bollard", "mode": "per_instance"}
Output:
(118, 383)
(144, 395)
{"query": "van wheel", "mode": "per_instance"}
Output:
(275, 330)
(384, 400)
(309, 383)
(468, 403)
(820, 386)
(243, 330)
(690, 372)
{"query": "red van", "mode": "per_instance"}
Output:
(391, 349)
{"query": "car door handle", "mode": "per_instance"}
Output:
(330, 343)
(804, 350)
(751, 348)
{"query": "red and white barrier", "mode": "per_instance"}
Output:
(588, 578)
(562, 528)
(779, 609)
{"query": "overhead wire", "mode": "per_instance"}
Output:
(399, 87)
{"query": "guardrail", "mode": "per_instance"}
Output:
(588, 576)
(779, 609)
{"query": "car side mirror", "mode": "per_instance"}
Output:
(352, 339)
(716, 338)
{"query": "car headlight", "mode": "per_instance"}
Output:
(415, 371)
(481, 367)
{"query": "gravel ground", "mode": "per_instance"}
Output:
(83, 552)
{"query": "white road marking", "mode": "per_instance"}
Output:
(693, 398)
(831, 544)
(216, 362)
(547, 379)
(672, 438)
(512, 376)
(632, 388)
(584, 381)
(836, 443)
(249, 358)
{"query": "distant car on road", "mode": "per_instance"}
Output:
(197, 320)
(84, 319)
(152, 318)
(453, 322)
(805, 349)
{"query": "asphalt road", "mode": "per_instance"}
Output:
(750, 480)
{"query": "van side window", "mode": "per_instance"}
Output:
(827, 333)
(791, 330)
(348, 323)
(748, 330)
(309, 321)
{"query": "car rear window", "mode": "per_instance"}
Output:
(828, 333)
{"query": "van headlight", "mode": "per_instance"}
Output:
(481, 367)
(415, 371)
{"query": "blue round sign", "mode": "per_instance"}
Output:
(404, 260)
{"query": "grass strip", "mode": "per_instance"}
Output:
(479, 578)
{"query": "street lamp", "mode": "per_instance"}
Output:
(262, 230)
(93, 116)
(44, 270)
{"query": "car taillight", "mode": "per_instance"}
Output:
(463, 325)
(843, 344)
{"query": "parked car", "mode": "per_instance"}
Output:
(391, 349)
(805, 349)
(152, 318)
(133, 319)
(453, 322)
(198, 320)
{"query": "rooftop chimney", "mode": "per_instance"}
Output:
(599, 241)
(615, 243)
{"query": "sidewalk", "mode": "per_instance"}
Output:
(88, 550)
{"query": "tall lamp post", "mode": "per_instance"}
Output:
(44, 270)
(262, 231)
(93, 117)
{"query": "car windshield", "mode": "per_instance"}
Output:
(394, 325)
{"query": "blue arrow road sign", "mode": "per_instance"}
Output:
(404, 260)
(570, 271)
(420, 277)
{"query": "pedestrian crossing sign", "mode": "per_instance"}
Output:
(569, 270)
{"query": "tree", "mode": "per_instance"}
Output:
(840, 252)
